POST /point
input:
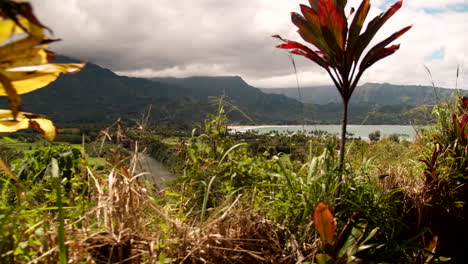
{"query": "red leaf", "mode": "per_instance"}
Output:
(378, 49)
(378, 55)
(332, 19)
(358, 22)
(309, 28)
(464, 121)
(461, 127)
(392, 10)
(464, 103)
(313, 56)
(456, 123)
(302, 50)
(277, 36)
(374, 26)
(314, 4)
(340, 4)
(324, 223)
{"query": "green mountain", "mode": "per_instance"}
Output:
(261, 107)
(97, 95)
(373, 93)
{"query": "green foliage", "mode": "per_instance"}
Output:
(33, 167)
(445, 171)
(394, 138)
(45, 174)
(34, 171)
(374, 94)
(216, 167)
(374, 136)
(8, 154)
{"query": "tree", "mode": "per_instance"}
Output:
(340, 46)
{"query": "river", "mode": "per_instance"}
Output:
(362, 131)
(156, 172)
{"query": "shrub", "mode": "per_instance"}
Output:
(394, 138)
(374, 136)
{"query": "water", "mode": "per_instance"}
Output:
(155, 170)
(362, 131)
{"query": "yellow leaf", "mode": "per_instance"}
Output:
(7, 28)
(29, 57)
(20, 46)
(13, 98)
(27, 79)
(26, 120)
(30, 27)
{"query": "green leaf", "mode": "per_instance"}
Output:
(324, 259)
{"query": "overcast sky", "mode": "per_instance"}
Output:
(179, 38)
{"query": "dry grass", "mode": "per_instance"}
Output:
(128, 225)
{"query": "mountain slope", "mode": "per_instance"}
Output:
(97, 95)
(374, 93)
(261, 107)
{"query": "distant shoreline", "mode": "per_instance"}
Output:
(403, 131)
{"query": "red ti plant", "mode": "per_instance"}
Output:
(340, 248)
(338, 46)
(461, 127)
(463, 104)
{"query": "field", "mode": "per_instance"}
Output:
(239, 198)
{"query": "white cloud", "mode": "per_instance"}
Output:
(220, 37)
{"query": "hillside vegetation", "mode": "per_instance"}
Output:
(103, 96)
(373, 93)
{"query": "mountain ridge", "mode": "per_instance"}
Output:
(97, 95)
(376, 93)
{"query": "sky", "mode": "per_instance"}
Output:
(179, 38)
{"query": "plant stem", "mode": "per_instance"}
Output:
(344, 124)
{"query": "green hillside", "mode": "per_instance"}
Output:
(96, 95)
(374, 93)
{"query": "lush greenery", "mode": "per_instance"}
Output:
(373, 93)
(248, 198)
(236, 198)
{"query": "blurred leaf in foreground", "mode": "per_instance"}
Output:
(24, 65)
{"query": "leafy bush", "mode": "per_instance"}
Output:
(374, 136)
(394, 138)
